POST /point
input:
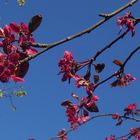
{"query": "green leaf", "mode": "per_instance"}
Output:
(1, 94)
(21, 2)
(14, 108)
(20, 93)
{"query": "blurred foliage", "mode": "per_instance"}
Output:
(21, 2)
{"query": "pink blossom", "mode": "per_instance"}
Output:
(115, 116)
(95, 98)
(72, 114)
(110, 138)
(75, 113)
(67, 66)
(82, 119)
(17, 79)
(135, 132)
(68, 56)
(89, 103)
(123, 80)
(82, 82)
(31, 51)
(7, 30)
(15, 27)
(128, 22)
(62, 135)
(131, 107)
(123, 138)
(15, 40)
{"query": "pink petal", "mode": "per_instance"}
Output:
(7, 30)
(24, 27)
(15, 27)
(17, 79)
(31, 51)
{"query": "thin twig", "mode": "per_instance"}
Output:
(103, 81)
(129, 57)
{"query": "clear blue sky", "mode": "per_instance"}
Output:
(39, 114)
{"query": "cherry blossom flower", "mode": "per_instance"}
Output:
(73, 117)
(123, 138)
(127, 21)
(135, 132)
(115, 116)
(89, 103)
(130, 109)
(123, 80)
(67, 66)
(17, 33)
(13, 43)
(110, 138)
(8, 69)
(75, 113)
(62, 135)
(82, 82)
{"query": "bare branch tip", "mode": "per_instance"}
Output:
(104, 15)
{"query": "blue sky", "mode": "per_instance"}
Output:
(40, 114)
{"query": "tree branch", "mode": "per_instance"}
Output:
(93, 117)
(88, 30)
(129, 57)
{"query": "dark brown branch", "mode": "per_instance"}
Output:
(105, 80)
(93, 117)
(88, 30)
(129, 57)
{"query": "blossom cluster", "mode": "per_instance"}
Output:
(69, 67)
(122, 80)
(128, 21)
(134, 132)
(79, 113)
(62, 135)
(14, 43)
(130, 110)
